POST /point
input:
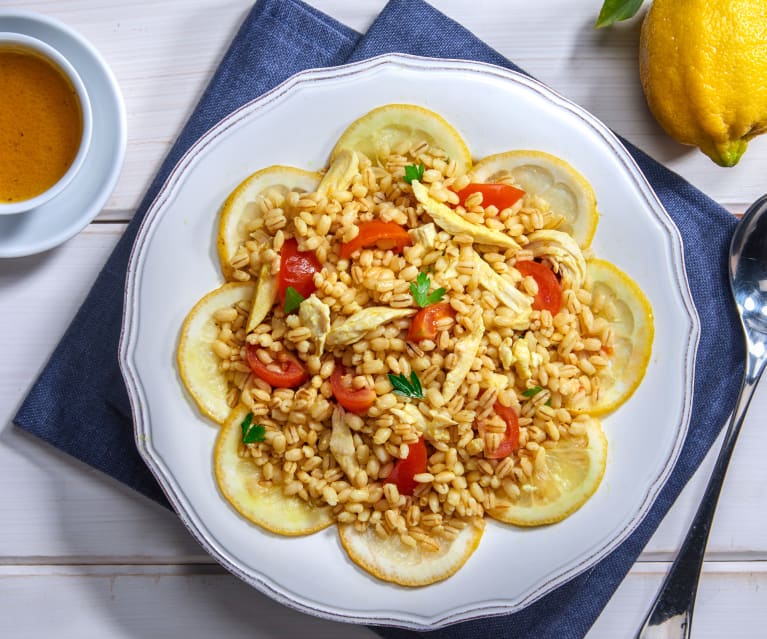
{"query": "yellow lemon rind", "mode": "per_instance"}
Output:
(403, 121)
(631, 295)
(198, 365)
(569, 501)
(686, 58)
(239, 208)
(390, 560)
(580, 223)
(241, 483)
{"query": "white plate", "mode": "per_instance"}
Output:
(174, 263)
(73, 209)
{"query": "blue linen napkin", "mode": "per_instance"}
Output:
(79, 403)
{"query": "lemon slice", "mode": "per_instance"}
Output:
(241, 482)
(572, 470)
(198, 365)
(553, 180)
(389, 559)
(240, 208)
(618, 299)
(399, 127)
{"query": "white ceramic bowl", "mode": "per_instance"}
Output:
(24, 42)
(69, 212)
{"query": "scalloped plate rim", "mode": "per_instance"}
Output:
(185, 506)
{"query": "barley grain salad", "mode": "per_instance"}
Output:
(410, 342)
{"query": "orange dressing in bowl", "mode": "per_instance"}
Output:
(41, 124)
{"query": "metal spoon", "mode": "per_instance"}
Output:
(671, 614)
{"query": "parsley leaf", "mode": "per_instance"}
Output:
(252, 433)
(414, 172)
(293, 300)
(420, 291)
(405, 387)
(532, 392)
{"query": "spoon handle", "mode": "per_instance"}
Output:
(671, 614)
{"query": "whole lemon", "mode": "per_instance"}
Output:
(703, 66)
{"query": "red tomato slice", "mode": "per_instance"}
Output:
(297, 269)
(354, 400)
(502, 196)
(384, 235)
(424, 324)
(549, 295)
(510, 441)
(291, 372)
(405, 469)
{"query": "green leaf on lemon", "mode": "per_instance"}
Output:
(617, 10)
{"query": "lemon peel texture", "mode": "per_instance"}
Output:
(702, 65)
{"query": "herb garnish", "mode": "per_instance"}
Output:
(293, 300)
(414, 172)
(532, 392)
(420, 291)
(252, 433)
(402, 386)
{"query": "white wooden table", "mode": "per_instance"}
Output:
(84, 556)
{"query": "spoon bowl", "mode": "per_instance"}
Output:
(671, 614)
(748, 269)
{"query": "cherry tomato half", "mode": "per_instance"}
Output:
(424, 324)
(384, 235)
(405, 469)
(549, 295)
(510, 441)
(297, 269)
(354, 400)
(501, 196)
(286, 371)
